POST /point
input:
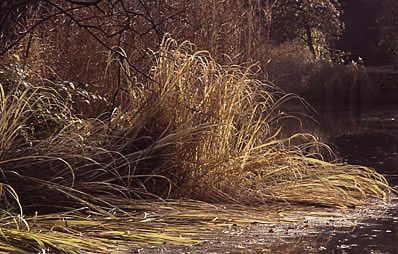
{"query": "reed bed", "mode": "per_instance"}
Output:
(194, 130)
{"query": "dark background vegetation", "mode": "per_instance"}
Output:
(370, 31)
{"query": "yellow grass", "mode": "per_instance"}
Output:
(196, 130)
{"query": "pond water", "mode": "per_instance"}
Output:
(366, 135)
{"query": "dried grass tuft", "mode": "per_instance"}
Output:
(196, 129)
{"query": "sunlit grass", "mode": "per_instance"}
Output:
(195, 130)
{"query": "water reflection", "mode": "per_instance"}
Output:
(366, 135)
(375, 235)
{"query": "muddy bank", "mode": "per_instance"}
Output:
(317, 231)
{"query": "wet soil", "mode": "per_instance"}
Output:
(344, 232)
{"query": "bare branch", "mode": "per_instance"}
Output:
(87, 28)
(84, 3)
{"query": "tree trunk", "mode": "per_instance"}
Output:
(310, 42)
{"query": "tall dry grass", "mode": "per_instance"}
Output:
(243, 159)
(196, 129)
(136, 125)
(75, 49)
(74, 42)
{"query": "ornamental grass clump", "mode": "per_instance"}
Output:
(194, 129)
(239, 155)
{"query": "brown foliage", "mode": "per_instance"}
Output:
(76, 38)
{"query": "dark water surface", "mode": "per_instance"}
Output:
(366, 135)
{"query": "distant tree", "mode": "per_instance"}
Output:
(361, 36)
(387, 23)
(316, 23)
